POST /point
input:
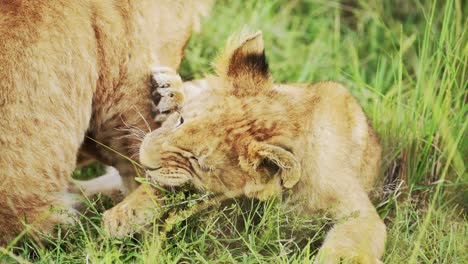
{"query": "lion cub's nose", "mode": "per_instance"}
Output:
(149, 154)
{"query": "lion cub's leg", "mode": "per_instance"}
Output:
(134, 212)
(358, 236)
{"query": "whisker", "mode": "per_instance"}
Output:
(144, 120)
(131, 136)
(131, 132)
(131, 126)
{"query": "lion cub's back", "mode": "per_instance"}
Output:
(335, 122)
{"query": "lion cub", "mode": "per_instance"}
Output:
(241, 134)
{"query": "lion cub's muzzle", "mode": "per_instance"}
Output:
(169, 176)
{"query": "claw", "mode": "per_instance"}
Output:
(165, 96)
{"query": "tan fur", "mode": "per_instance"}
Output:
(71, 68)
(242, 136)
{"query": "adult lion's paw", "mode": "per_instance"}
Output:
(166, 96)
(123, 219)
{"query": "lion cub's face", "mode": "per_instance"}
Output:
(232, 138)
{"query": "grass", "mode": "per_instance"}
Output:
(406, 62)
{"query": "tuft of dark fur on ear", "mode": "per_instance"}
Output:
(243, 65)
(254, 64)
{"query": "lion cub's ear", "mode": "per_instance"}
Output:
(262, 154)
(243, 65)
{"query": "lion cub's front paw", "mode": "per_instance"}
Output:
(166, 96)
(123, 220)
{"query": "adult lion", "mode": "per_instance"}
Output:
(70, 69)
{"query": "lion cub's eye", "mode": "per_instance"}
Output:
(180, 121)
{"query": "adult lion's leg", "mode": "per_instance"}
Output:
(39, 146)
(35, 187)
(26, 215)
(109, 184)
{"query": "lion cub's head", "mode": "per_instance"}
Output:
(236, 138)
